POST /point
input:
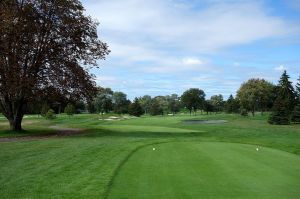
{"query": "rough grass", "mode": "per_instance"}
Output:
(83, 166)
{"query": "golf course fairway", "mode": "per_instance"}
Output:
(207, 170)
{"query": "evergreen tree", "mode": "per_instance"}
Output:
(280, 114)
(232, 105)
(298, 91)
(284, 103)
(135, 108)
(286, 92)
(296, 114)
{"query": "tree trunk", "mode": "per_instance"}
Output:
(14, 112)
(16, 123)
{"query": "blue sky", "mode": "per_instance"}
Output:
(160, 47)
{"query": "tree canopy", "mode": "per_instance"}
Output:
(45, 44)
(255, 94)
(193, 99)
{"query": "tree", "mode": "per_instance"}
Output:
(217, 102)
(255, 94)
(163, 103)
(145, 102)
(135, 108)
(298, 90)
(43, 44)
(280, 115)
(208, 106)
(70, 109)
(232, 105)
(296, 114)
(284, 103)
(174, 103)
(45, 108)
(120, 102)
(193, 99)
(286, 92)
(155, 108)
(103, 100)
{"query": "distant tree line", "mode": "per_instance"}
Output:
(254, 95)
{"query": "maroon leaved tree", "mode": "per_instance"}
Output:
(49, 43)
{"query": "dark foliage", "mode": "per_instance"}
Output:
(135, 108)
(44, 44)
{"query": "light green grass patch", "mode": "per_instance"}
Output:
(208, 170)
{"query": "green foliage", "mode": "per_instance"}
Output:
(244, 112)
(155, 108)
(208, 106)
(286, 92)
(120, 102)
(50, 115)
(232, 105)
(255, 94)
(295, 118)
(280, 114)
(145, 102)
(217, 102)
(135, 108)
(45, 108)
(70, 109)
(103, 101)
(284, 103)
(174, 104)
(298, 90)
(193, 99)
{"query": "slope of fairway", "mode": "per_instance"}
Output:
(208, 170)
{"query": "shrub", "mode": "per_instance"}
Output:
(70, 109)
(50, 114)
(244, 112)
(45, 108)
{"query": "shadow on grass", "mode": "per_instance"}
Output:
(27, 132)
(139, 134)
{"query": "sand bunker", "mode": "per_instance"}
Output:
(205, 121)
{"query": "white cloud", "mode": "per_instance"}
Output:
(280, 68)
(236, 64)
(154, 38)
(166, 24)
(192, 61)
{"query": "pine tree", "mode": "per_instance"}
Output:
(296, 114)
(287, 92)
(280, 114)
(232, 105)
(284, 103)
(135, 108)
(298, 90)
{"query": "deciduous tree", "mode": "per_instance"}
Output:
(255, 94)
(43, 44)
(193, 99)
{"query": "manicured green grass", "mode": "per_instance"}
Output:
(208, 170)
(88, 165)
